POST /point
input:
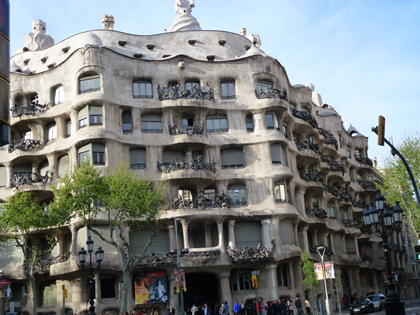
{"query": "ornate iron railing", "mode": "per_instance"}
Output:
(312, 176)
(43, 266)
(29, 179)
(200, 202)
(351, 252)
(330, 139)
(365, 229)
(186, 130)
(306, 116)
(249, 254)
(363, 160)
(271, 93)
(360, 203)
(31, 109)
(196, 164)
(366, 184)
(213, 253)
(23, 145)
(317, 212)
(157, 260)
(173, 93)
(366, 257)
(334, 166)
(306, 145)
(332, 189)
(350, 223)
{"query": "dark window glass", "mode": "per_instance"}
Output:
(98, 158)
(142, 90)
(68, 128)
(89, 84)
(264, 86)
(108, 288)
(95, 120)
(228, 90)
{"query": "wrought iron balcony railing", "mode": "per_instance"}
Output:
(173, 93)
(43, 266)
(29, 179)
(250, 254)
(334, 166)
(365, 229)
(306, 116)
(23, 145)
(317, 212)
(351, 252)
(363, 160)
(314, 176)
(196, 164)
(31, 109)
(271, 93)
(350, 223)
(200, 202)
(366, 184)
(306, 145)
(330, 139)
(366, 257)
(186, 130)
(360, 203)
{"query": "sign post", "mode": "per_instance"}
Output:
(4, 71)
(254, 275)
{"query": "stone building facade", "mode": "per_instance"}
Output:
(214, 116)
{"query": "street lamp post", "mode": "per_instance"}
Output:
(82, 259)
(385, 223)
(321, 252)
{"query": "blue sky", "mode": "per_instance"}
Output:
(363, 56)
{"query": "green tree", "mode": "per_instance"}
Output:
(21, 219)
(128, 200)
(396, 185)
(309, 275)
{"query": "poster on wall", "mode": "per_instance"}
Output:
(151, 288)
(329, 270)
(5, 289)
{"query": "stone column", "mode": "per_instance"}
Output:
(351, 282)
(221, 238)
(356, 275)
(225, 288)
(98, 287)
(73, 249)
(172, 236)
(9, 172)
(271, 284)
(292, 275)
(232, 233)
(315, 238)
(266, 240)
(304, 239)
(343, 244)
(374, 278)
(356, 246)
(207, 235)
(295, 234)
(35, 168)
(185, 233)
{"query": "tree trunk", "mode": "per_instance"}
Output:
(125, 283)
(33, 289)
(339, 304)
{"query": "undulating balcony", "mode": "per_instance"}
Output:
(174, 93)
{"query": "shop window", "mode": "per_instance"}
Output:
(89, 84)
(228, 90)
(58, 95)
(142, 89)
(217, 123)
(232, 158)
(151, 123)
(247, 234)
(138, 158)
(283, 276)
(127, 122)
(272, 120)
(238, 195)
(286, 232)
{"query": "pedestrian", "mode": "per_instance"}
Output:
(194, 309)
(298, 305)
(221, 308)
(242, 308)
(308, 307)
(154, 312)
(206, 309)
(173, 311)
(168, 311)
(236, 308)
(345, 302)
(225, 310)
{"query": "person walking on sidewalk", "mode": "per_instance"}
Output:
(298, 305)
(236, 308)
(308, 307)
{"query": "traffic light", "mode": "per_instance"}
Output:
(381, 130)
(254, 281)
(175, 290)
(417, 250)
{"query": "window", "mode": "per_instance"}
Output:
(160, 244)
(210, 194)
(187, 121)
(170, 155)
(151, 123)
(185, 194)
(310, 139)
(344, 214)
(96, 151)
(264, 86)
(286, 232)
(138, 158)
(51, 132)
(108, 287)
(189, 86)
(22, 170)
(142, 89)
(315, 202)
(98, 158)
(63, 165)
(240, 280)
(340, 141)
(337, 243)
(278, 156)
(82, 117)
(292, 108)
(350, 246)
(249, 123)
(247, 234)
(27, 135)
(349, 153)
(89, 84)
(95, 115)
(232, 158)
(237, 194)
(127, 122)
(44, 168)
(49, 293)
(228, 90)
(217, 123)
(283, 276)
(58, 95)
(10, 255)
(84, 156)
(272, 120)
(286, 131)
(313, 169)
(280, 191)
(68, 128)
(331, 212)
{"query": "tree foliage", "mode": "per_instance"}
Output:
(397, 185)
(22, 218)
(128, 200)
(309, 275)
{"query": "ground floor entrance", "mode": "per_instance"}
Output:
(201, 288)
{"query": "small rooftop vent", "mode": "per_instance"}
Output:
(150, 46)
(222, 42)
(138, 55)
(65, 49)
(192, 41)
(210, 57)
(43, 60)
(26, 61)
(122, 42)
(51, 65)
(166, 56)
(247, 47)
